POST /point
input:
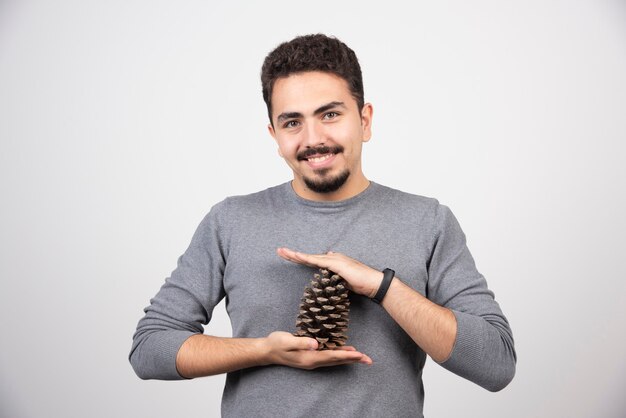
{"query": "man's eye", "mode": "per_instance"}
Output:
(291, 124)
(330, 115)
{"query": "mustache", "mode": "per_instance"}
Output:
(322, 149)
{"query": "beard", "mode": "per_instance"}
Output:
(326, 184)
(323, 183)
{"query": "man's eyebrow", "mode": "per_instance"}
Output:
(328, 106)
(288, 115)
(321, 109)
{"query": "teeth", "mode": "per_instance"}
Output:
(320, 159)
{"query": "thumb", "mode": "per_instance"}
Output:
(303, 343)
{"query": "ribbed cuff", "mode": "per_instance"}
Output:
(480, 354)
(468, 346)
(163, 348)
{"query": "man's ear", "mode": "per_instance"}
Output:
(366, 121)
(270, 129)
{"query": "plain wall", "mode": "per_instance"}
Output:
(123, 122)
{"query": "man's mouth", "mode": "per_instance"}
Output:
(319, 158)
(319, 154)
(320, 161)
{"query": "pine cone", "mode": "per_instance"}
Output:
(324, 310)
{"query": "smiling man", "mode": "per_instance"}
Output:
(415, 287)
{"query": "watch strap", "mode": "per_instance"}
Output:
(388, 276)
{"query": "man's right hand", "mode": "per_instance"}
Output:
(288, 350)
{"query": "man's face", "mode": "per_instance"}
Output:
(319, 131)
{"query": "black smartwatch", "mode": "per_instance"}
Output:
(388, 276)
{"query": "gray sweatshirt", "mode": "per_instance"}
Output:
(233, 254)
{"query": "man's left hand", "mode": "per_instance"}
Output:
(361, 279)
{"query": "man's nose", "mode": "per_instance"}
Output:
(314, 134)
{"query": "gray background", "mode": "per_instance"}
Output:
(123, 122)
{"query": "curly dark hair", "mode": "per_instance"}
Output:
(312, 53)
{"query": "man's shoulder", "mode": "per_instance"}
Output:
(237, 211)
(251, 200)
(403, 198)
(260, 196)
(408, 207)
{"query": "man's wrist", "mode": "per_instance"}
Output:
(264, 350)
(388, 276)
(377, 282)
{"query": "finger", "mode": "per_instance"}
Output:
(340, 357)
(300, 258)
(301, 343)
(311, 259)
(289, 255)
(336, 363)
(286, 253)
(318, 260)
(346, 348)
(365, 359)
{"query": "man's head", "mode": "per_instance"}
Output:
(312, 53)
(314, 93)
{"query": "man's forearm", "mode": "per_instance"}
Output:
(204, 355)
(431, 326)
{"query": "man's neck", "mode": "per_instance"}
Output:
(352, 187)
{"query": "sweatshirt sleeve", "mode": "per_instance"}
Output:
(483, 352)
(182, 306)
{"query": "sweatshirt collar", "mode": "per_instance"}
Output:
(292, 196)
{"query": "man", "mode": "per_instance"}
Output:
(259, 251)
